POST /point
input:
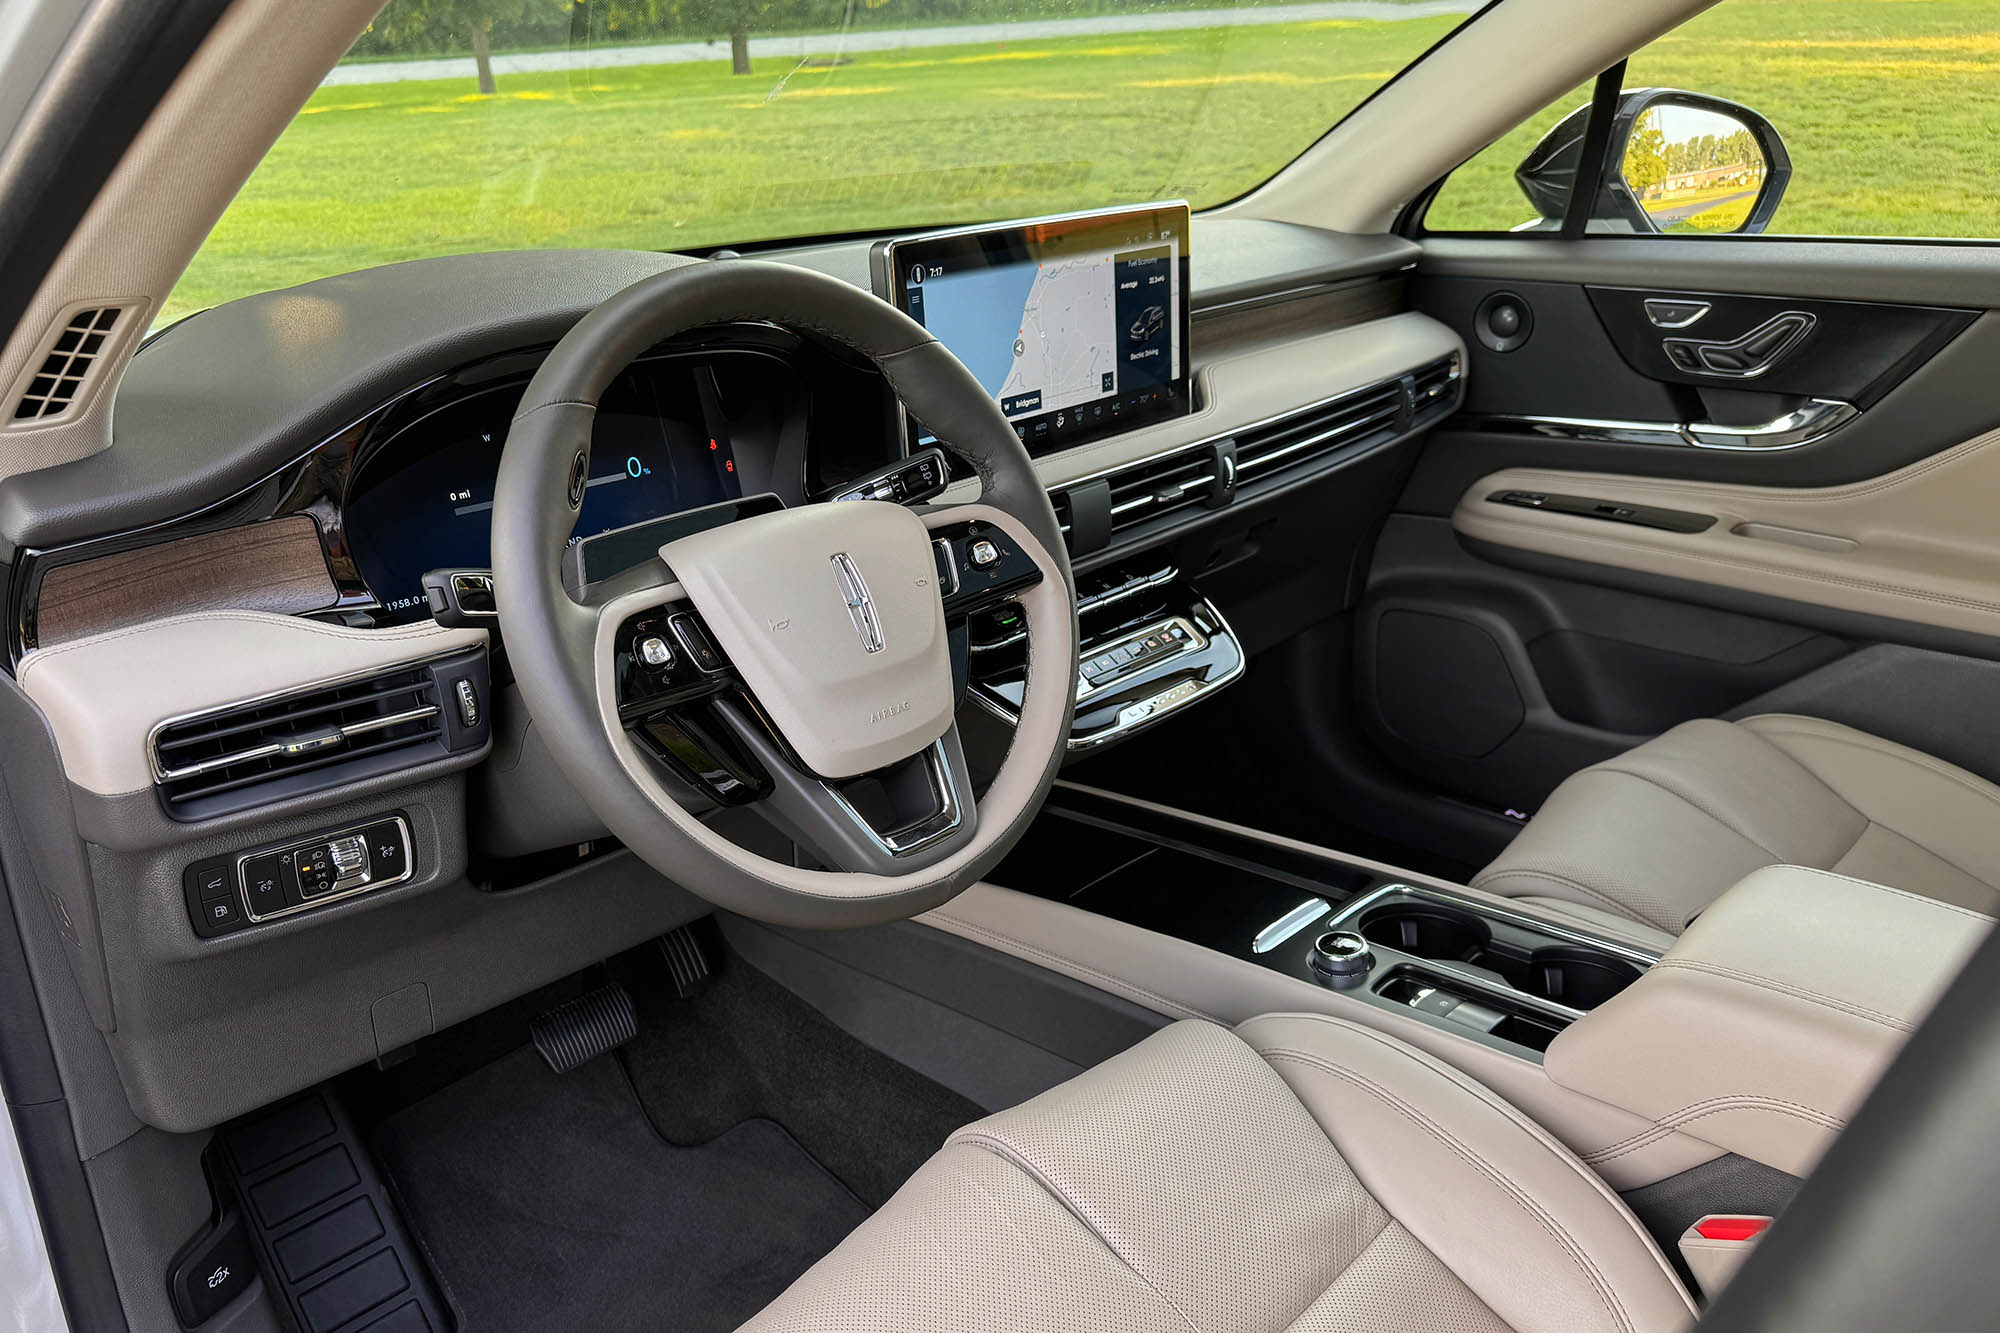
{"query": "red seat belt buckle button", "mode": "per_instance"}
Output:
(1731, 1228)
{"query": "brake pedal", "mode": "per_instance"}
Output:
(585, 1028)
(686, 959)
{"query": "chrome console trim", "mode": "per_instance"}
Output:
(1290, 924)
(1352, 910)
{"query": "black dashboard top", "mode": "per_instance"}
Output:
(222, 401)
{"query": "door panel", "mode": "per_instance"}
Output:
(1511, 635)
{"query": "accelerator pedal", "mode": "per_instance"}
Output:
(585, 1028)
(686, 959)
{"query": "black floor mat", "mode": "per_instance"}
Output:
(748, 1047)
(549, 1201)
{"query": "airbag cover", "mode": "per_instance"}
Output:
(831, 613)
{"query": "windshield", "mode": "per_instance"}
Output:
(464, 125)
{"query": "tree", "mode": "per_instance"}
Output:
(1645, 155)
(735, 18)
(413, 25)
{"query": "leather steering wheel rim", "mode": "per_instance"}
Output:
(558, 646)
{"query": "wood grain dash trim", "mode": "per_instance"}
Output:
(276, 566)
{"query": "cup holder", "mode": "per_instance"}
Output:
(1424, 930)
(1577, 977)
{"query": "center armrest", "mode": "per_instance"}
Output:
(1773, 1015)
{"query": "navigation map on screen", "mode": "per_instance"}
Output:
(1076, 338)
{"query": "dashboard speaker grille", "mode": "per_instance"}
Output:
(56, 385)
(232, 750)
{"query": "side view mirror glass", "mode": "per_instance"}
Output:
(1677, 162)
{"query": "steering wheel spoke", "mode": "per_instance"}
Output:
(910, 814)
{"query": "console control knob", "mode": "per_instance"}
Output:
(654, 652)
(1341, 958)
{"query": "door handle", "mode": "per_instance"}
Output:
(1808, 423)
(1745, 357)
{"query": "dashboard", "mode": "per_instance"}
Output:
(675, 432)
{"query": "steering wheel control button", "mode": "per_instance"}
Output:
(983, 553)
(1341, 959)
(694, 642)
(655, 652)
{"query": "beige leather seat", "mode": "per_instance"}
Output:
(1301, 1173)
(1659, 832)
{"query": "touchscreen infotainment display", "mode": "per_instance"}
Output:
(1077, 326)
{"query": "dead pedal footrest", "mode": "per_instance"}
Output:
(585, 1028)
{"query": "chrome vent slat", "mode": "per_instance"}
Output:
(229, 749)
(1159, 486)
(268, 718)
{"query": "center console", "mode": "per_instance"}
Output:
(1463, 963)
(1150, 645)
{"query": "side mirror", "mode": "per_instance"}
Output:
(1676, 162)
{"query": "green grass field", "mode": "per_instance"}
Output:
(685, 156)
(1891, 109)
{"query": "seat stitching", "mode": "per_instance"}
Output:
(1623, 909)
(1115, 982)
(1467, 1154)
(1007, 1152)
(1862, 741)
(1674, 1121)
(1716, 814)
(1786, 988)
(1919, 898)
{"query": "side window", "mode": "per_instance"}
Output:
(1856, 118)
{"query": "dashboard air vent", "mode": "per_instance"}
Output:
(1434, 386)
(56, 385)
(198, 761)
(1161, 486)
(1351, 419)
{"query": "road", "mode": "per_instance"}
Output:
(838, 43)
(1686, 211)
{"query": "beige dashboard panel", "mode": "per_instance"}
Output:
(1256, 382)
(104, 694)
(1920, 544)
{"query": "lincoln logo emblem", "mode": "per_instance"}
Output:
(860, 606)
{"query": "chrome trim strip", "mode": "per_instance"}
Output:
(337, 893)
(1208, 442)
(951, 808)
(330, 682)
(1290, 924)
(1811, 422)
(362, 728)
(1360, 425)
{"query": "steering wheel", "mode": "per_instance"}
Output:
(797, 663)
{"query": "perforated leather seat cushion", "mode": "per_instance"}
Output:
(1301, 1173)
(1659, 832)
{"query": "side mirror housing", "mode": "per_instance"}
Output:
(1675, 162)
